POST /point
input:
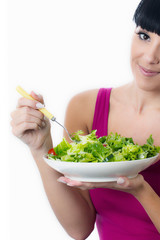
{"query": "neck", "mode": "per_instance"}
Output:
(142, 100)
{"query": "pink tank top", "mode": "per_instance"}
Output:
(119, 215)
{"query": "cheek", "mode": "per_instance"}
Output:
(135, 51)
(136, 55)
(133, 60)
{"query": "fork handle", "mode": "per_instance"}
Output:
(26, 95)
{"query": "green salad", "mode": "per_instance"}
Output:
(111, 148)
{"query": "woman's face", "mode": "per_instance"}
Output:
(145, 59)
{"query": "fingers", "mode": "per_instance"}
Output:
(22, 126)
(69, 182)
(130, 183)
(86, 185)
(22, 122)
(19, 130)
(123, 184)
(24, 102)
(37, 97)
(27, 114)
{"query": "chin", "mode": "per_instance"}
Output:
(147, 85)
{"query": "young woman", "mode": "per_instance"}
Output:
(128, 209)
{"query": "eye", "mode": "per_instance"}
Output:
(143, 36)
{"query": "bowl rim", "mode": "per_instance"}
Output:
(95, 163)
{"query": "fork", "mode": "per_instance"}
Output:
(43, 110)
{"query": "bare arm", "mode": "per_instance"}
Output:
(137, 186)
(72, 206)
(75, 213)
(64, 199)
(151, 203)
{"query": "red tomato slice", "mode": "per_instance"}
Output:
(51, 151)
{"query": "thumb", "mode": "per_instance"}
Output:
(37, 97)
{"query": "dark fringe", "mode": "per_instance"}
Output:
(147, 15)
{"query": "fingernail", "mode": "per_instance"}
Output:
(43, 124)
(36, 93)
(120, 180)
(39, 105)
(61, 181)
(70, 184)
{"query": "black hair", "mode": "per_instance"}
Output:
(147, 15)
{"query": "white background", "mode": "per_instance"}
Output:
(57, 48)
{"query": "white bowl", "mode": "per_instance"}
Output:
(100, 172)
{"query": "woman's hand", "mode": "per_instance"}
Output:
(30, 125)
(130, 185)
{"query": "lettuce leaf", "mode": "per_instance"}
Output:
(111, 148)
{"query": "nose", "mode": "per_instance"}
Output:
(153, 55)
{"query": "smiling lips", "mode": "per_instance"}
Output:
(147, 72)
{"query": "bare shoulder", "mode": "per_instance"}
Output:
(80, 111)
(80, 98)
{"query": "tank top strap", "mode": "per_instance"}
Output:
(100, 120)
